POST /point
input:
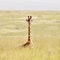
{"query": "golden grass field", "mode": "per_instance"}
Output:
(45, 35)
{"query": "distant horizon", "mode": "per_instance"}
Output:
(27, 10)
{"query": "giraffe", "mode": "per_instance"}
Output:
(29, 31)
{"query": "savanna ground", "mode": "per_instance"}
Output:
(45, 35)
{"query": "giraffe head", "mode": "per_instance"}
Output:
(29, 18)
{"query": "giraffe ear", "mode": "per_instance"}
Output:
(30, 16)
(26, 20)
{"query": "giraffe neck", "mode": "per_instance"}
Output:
(29, 40)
